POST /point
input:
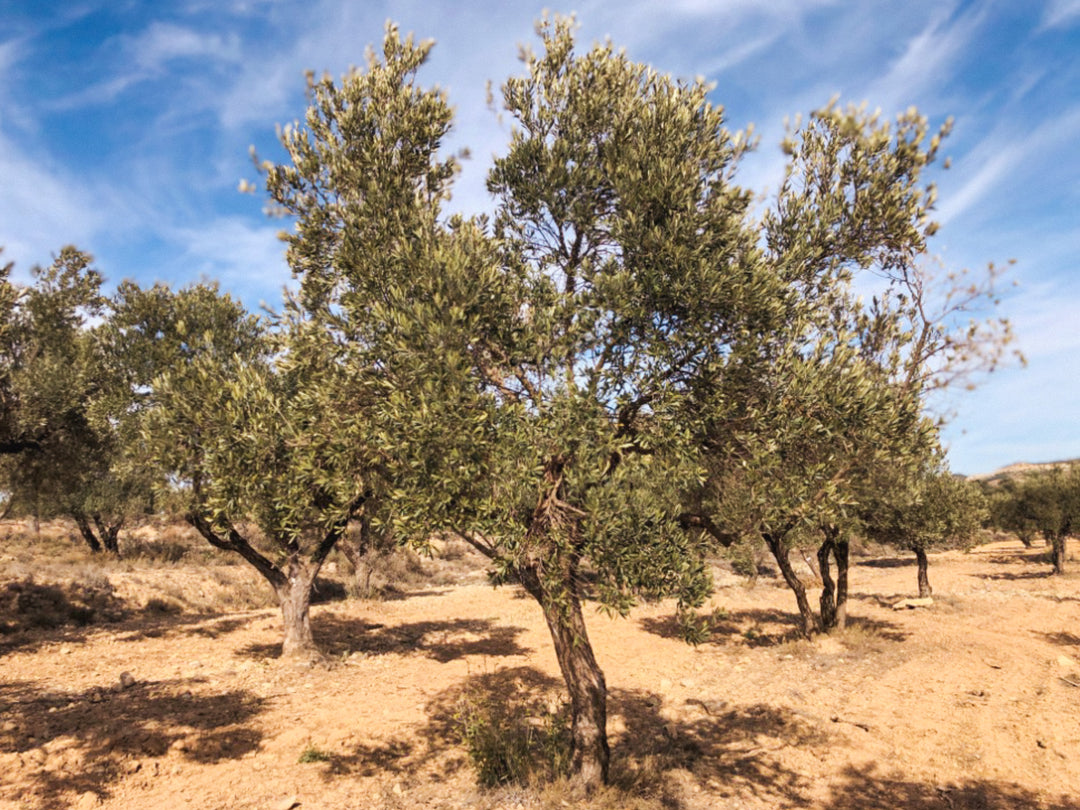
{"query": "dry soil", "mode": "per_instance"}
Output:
(973, 702)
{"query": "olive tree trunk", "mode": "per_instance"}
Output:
(87, 531)
(809, 623)
(292, 581)
(925, 591)
(109, 533)
(591, 755)
(1058, 552)
(294, 596)
(834, 593)
(99, 534)
(828, 586)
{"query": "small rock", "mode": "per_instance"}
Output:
(66, 650)
(287, 804)
(665, 684)
(1066, 661)
(126, 680)
(86, 801)
(687, 682)
(913, 603)
(397, 789)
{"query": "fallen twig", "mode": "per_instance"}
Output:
(863, 726)
(1070, 683)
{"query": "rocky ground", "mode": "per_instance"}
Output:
(168, 702)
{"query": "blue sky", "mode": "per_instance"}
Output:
(125, 128)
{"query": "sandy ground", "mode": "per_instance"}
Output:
(971, 703)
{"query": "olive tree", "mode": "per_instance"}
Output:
(260, 446)
(66, 411)
(930, 509)
(840, 386)
(1048, 502)
(528, 365)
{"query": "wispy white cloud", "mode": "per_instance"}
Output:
(1003, 156)
(976, 188)
(1059, 13)
(247, 258)
(926, 60)
(42, 207)
(161, 43)
(147, 56)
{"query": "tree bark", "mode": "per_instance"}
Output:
(842, 554)
(809, 622)
(294, 596)
(292, 585)
(828, 586)
(834, 592)
(87, 531)
(1058, 551)
(591, 755)
(109, 534)
(924, 579)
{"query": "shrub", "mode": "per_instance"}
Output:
(313, 753)
(506, 746)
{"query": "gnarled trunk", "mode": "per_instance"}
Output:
(809, 622)
(109, 534)
(1058, 551)
(842, 554)
(292, 583)
(924, 579)
(828, 586)
(584, 679)
(834, 592)
(294, 595)
(87, 531)
(99, 535)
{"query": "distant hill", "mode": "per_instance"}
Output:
(1021, 468)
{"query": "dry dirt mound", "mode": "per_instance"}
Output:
(973, 702)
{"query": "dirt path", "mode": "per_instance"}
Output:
(968, 704)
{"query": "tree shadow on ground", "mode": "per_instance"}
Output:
(868, 790)
(444, 641)
(1021, 556)
(393, 593)
(32, 613)
(760, 628)
(663, 755)
(885, 562)
(1016, 576)
(1062, 638)
(103, 733)
(751, 627)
